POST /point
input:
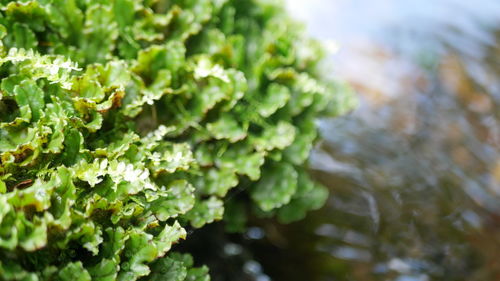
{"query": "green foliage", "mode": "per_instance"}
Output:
(122, 122)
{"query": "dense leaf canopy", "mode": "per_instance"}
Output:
(122, 123)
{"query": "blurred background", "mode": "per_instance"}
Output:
(413, 172)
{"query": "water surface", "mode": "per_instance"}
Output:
(414, 172)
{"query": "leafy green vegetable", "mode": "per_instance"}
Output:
(122, 122)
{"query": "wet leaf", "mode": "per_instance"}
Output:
(276, 187)
(205, 211)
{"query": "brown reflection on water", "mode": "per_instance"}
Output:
(414, 173)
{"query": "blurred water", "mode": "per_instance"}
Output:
(414, 172)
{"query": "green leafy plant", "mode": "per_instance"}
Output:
(122, 123)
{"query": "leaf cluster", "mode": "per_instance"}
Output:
(123, 123)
